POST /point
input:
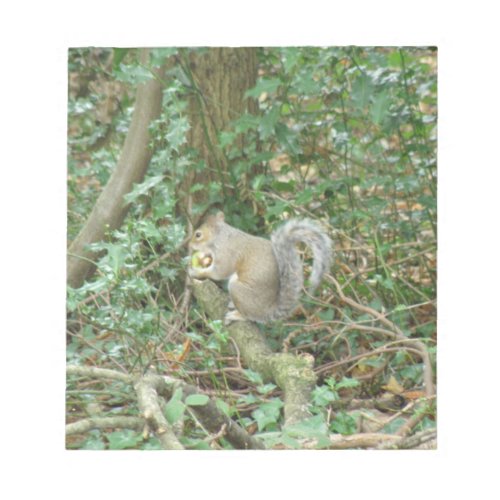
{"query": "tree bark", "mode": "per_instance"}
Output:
(219, 78)
(110, 210)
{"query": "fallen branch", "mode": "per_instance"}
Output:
(149, 389)
(373, 440)
(412, 442)
(146, 388)
(293, 374)
(102, 373)
(211, 417)
(87, 424)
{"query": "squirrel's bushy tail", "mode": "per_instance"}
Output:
(284, 241)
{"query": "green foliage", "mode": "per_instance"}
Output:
(267, 415)
(197, 400)
(310, 428)
(343, 424)
(93, 442)
(121, 440)
(175, 408)
(325, 395)
(346, 135)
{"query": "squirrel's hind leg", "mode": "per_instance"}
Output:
(232, 315)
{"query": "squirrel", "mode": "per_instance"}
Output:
(265, 276)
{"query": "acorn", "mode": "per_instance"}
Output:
(200, 259)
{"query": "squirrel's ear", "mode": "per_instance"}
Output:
(220, 216)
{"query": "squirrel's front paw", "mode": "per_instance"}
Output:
(196, 273)
(233, 315)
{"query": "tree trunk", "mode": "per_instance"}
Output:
(110, 210)
(220, 77)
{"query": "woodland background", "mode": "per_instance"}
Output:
(156, 138)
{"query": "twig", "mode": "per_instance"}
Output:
(87, 424)
(373, 440)
(410, 442)
(380, 350)
(396, 333)
(407, 427)
(148, 400)
(104, 373)
(364, 440)
(218, 435)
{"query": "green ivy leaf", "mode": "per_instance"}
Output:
(152, 444)
(132, 73)
(267, 85)
(159, 55)
(393, 426)
(116, 257)
(427, 201)
(311, 428)
(150, 230)
(246, 122)
(121, 440)
(268, 122)
(266, 388)
(380, 107)
(176, 134)
(175, 234)
(343, 424)
(197, 400)
(285, 187)
(347, 383)
(268, 414)
(304, 197)
(326, 315)
(290, 442)
(195, 444)
(143, 188)
(278, 208)
(290, 57)
(226, 138)
(287, 138)
(223, 407)
(118, 55)
(323, 396)
(399, 308)
(362, 90)
(175, 408)
(254, 377)
(305, 84)
(93, 443)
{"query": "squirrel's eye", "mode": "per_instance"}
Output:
(197, 234)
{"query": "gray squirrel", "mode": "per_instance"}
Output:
(265, 276)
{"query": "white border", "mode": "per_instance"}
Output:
(34, 46)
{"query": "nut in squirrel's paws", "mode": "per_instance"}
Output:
(201, 265)
(201, 260)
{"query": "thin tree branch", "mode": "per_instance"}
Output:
(395, 333)
(110, 209)
(87, 424)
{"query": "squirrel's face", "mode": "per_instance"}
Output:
(199, 238)
(207, 232)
